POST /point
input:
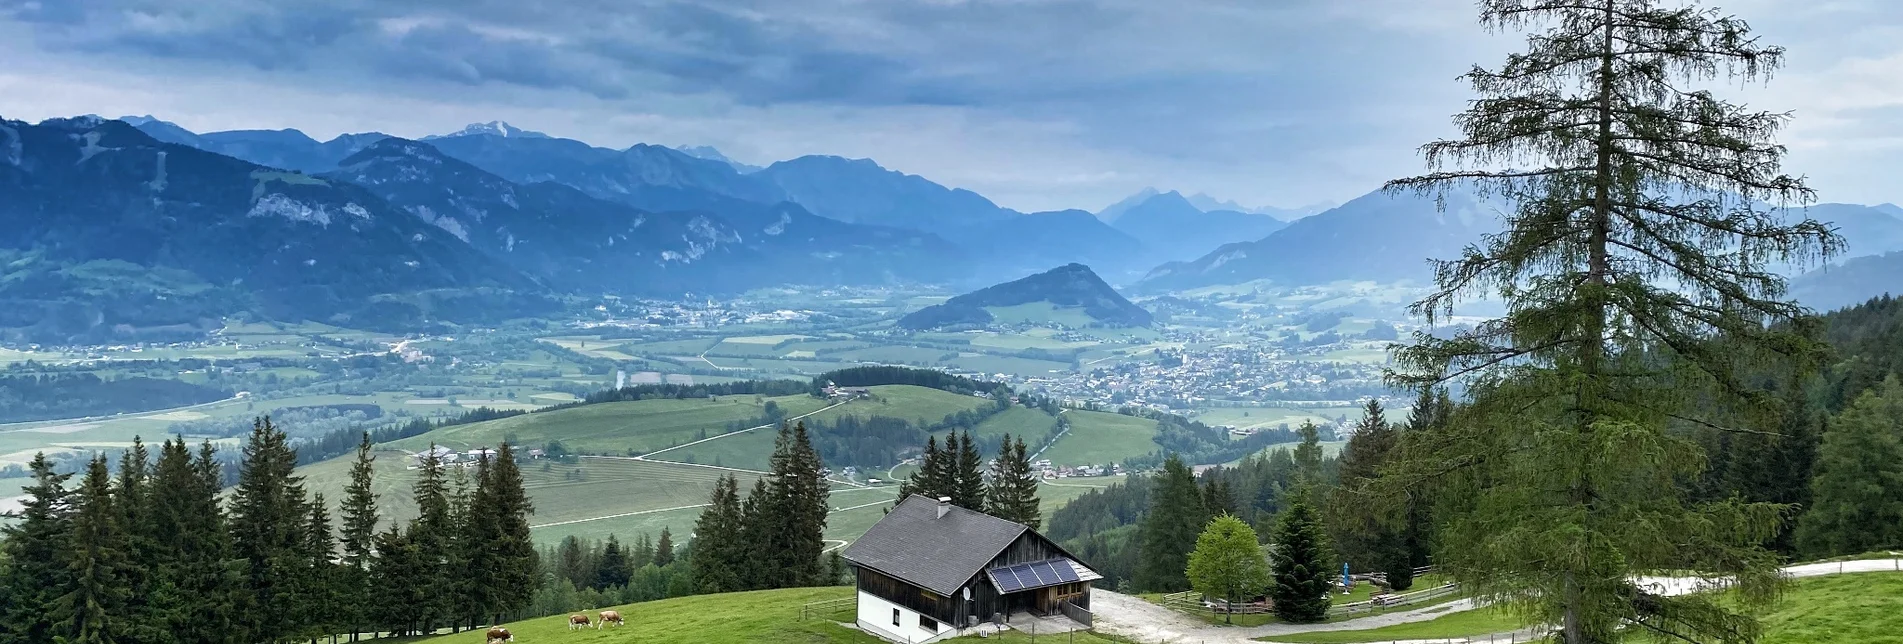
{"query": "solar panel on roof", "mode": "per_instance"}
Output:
(1037, 574)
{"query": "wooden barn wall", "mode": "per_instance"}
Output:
(985, 599)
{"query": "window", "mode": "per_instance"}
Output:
(928, 623)
(895, 617)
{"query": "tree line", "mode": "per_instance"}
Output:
(154, 554)
(73, 395)
(1007, 489)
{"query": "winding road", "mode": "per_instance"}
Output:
(1142, 621)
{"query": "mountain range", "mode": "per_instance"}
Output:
(1072, 286)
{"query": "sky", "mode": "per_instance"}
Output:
(1037, 104)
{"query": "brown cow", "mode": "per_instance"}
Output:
(498, 635)
(609, 616)
(577, 621)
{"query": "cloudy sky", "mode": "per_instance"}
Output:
(1039, 104)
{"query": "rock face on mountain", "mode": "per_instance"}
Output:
(111, 231)
(1068, 286)
(1377, 237)
(1175, 230)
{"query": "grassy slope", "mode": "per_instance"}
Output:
(613, 428)
(1021, 422)
(1101, 437)
(760, 616)
(1861, 608)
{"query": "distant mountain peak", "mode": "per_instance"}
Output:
(1889, 209)
(1069, 286)
(709, 153)
(492, 128)
(1111, 212)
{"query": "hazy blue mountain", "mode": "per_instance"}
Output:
(1374, 237)
(1866, 230)
(650, 177)
(1890, 209)
(1175, 230)
(1111, 212)
(1026, 243)
(1068, 286)
(861, 191)
(287, 149)
(110, 232)
(575, 241)
(1850, 282)
(1207, 203)
(709, 153)
(492, 128)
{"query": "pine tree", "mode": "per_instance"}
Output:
(615, 569)
(797, 514)
(432, 535)
(399, 576)
(1308, 456)
(1302, 565)
(719, 548)
(1858, 490)
(267, 529)
(132, 496)
(358, 538)
(1372, 536)
(35, 547)
(97, 596)
(1634, 269)
(1169, 531)
(194, 580)
(757, 526)
(1217, 498)
(318, 596)
(1012, 494)
(968, 478)
(508, 572)
(664, 548)
(931, 478)
(1228, 562)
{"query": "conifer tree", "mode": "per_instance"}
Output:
(1372, 536)
(358, 538)
(664, 548)
(1169, 530)
(1634, 267)
(615, 570)
(508, 571)
(194, 580)
(719, 547)
(1858, 490)
(97, 596)
(932, 477)
(1218, 500)
(267, 527)
(968, 478)
(797, 515)
(398, 575)
(133, 499)
(1302, 564)
(1012, 494)
(318, 597)
(35, 545)
(757, 526)
(1308, 456)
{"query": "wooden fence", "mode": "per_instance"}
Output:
(811, 610)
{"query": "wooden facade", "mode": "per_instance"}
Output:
(985, 601)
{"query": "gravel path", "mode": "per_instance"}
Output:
(1142, 621)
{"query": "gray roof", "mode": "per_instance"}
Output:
(913, 544)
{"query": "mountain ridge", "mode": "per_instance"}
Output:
(1070, 285)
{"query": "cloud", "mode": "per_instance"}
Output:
(1040, 104)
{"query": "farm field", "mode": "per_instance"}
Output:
(1018, 421)
(918, 404)
(1272, 417)
(614, 428)
(1099, 437)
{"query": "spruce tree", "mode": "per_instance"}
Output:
(931, 478)
(757, 526)
(1012, 494)
(509, 568)
(1169, 530)
(664, 548)
(1858, 490)
(719, 549)
(968, 478)
(35, 544)
(194, 580)
(399, 576)
(1217, 497)
(132, 498)
(615, 569)
(267, 529)
(1308, 456)
(1635, 271)
(797, 516)
(1372, 536)
(97, 597)
(358, 538)
(1302, 565)
(318, 596)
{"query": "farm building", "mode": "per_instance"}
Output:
(931, 570)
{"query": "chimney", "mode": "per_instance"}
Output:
(944, 505)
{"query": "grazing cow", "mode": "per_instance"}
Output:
(499, 635)
(578, 621)
(609, 616)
